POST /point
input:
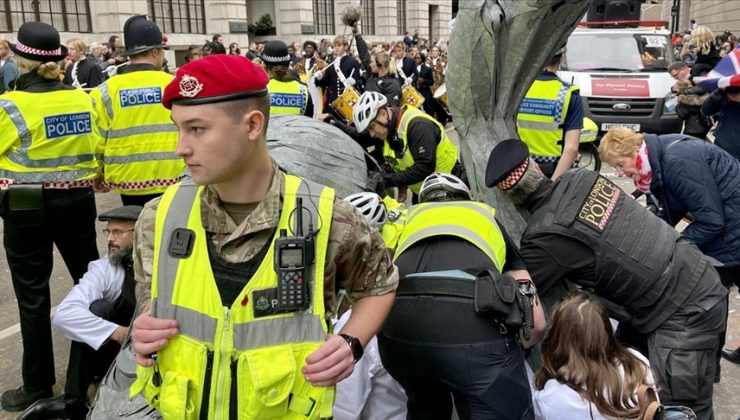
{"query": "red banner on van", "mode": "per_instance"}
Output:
(620, 87)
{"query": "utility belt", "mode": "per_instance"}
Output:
(495, 296)
(23, 204)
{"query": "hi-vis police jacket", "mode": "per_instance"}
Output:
(242, 362)
(287, 97)
(49, 137)
(468, 220)
(446, 150)
(139, 155)
(541, 117)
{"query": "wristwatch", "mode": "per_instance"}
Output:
(354, 345)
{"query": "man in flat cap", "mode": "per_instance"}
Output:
(585, 229)
(238, 269)
(95, 315)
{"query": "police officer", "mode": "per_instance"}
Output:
(211, 251)
(550, 120)
(47, 167)
(140, 142)
(585, 229)
(414, 143)
(287, 95)
(423, 344)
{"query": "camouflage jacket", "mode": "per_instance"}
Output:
(357, 259)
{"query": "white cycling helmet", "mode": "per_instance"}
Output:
(366, 109)
(371, 206)
(441, 187)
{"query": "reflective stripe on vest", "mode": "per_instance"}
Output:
(49, 137)
(446, 150)
(542, 114)
(468, 220)
(141, 138)
(287, 97)
(184, 289)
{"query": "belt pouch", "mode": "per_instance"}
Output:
(26, 204)
(496, 297)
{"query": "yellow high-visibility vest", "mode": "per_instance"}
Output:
(468, 220)
(139, 155)
(244, 360)
(49, 137)
(446, 150)
(541, 118)
(287, 97)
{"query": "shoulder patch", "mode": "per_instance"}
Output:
(597, 208)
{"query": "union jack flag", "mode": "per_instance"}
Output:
(724, 74)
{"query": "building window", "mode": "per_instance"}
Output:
(368, 17)
(401, 16)
(323, 16)
(64, 15)
(178, 16)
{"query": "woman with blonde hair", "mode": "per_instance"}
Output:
(49, 161)
(586, 373)
(707, 54)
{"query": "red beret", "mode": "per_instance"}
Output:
(216, 78)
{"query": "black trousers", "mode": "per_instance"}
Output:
(137, 200)
(87, 364)
(67, 220)
(440, 349)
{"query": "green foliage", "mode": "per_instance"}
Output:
(263, 24)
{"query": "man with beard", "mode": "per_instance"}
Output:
(95, 315)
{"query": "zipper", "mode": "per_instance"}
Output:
(234, 394)
(207, 385)
(222, 365)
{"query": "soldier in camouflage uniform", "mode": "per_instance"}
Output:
(221, 107)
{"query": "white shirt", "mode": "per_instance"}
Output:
(370, 392)
(73, 317)
(558, 401)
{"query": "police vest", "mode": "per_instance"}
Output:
(541, 118)
(468, 220)
(49, 137)
(287, 97)
(446, 150)
(139, 155)
(638, 264)
(244, 361)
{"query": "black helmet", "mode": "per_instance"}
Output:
(275, 52)
(140, 34)
(39, 41)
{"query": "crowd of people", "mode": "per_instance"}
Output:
(245, 291)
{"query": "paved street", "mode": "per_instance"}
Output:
(727, 398)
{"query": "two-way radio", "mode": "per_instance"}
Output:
(294, 256)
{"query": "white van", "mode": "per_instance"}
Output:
(623, 77)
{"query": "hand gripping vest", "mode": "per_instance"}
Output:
(468, 220)
(641, 263)
(287, 97)
(446, 150)
(226, 363)
(141, 138)
(49, 137)
(541, 118)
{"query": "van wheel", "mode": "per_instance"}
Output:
(588, 157)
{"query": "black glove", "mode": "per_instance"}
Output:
(375, 182)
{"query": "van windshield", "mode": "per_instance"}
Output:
(626, 52)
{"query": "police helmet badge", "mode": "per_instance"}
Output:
(190, 87)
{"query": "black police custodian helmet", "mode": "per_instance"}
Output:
(275, 52)
(39, 41)
(140, 34)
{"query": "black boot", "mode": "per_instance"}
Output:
(731, 355)
(49, 408)
(19, 399)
